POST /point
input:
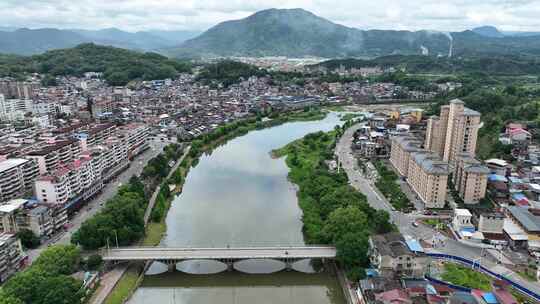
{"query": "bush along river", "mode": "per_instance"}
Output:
(239, 196)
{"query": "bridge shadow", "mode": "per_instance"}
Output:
(251, 266)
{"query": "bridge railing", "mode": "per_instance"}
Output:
(478, 266)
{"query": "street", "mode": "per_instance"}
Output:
(95, 205)
(404, 222)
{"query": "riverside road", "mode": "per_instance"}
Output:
(404, 222)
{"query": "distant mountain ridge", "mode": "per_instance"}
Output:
(34, 41)
(299, 33)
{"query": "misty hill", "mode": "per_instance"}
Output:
(298, 33)
(488, 31)
(36, 41)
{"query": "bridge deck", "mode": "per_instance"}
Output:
(157, 253)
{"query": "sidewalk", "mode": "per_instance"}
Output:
(107, 283)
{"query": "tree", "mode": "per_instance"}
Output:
(28, 238)
(344, 220)
(59, 259)
(38, 287)
(9, 299)
(94, 261)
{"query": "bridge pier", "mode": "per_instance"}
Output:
(171, 266)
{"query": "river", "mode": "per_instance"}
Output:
(238, 195)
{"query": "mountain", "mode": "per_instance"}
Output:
(36, 41)
(27, 41)
(175, 37)
(488, 31)
(298, 33)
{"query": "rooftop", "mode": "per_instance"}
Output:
(11, 163)
(528, 220)
(431, 163)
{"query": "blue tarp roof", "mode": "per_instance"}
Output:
(468, 229)
(414, 245)
(370, 272)
(490, 298)
(496, 178)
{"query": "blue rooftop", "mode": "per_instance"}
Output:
(497, 178)
(414, 245)
(490, 298)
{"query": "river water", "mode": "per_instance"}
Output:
(240, 196)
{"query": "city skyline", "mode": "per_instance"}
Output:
(136, 15)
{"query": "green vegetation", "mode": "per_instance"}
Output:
(28, 238)
(389, 187)
(125, 286)
(350, 116)
(228, 72)
(435, 223)
(498, 104)
(119, 66)
(466, 277)
(122, 218)
(484, 65)
(333, 212)
(48, 280)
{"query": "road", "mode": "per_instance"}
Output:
(404, 222)
(95, 205)
(167, 253)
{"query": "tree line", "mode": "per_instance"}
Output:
(119, 66)
(48, 280)
(333, 211)
(122, 218)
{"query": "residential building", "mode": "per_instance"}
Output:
(455, 131)
(58, 152)
(402, 148)
(11, 256)
(428, 177)
(19, 214)
(17, 176)
(14, 109)
(462, 222)
(470, 178)
(135, 137)
(390, 253)
(528, 224)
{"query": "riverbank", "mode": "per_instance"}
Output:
(333, 212)
(157, 226)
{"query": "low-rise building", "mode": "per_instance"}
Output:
(20, 214)
(391, 254)
(525, 223)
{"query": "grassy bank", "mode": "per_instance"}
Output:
(333, 211)
(464, 276)
(157, 227)
(125, 286)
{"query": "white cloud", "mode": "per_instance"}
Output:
(450, 15)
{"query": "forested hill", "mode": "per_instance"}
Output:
(118, 65)
(495, 65)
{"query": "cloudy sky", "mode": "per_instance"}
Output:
(133, 15)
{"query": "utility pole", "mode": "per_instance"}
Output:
(116, 236)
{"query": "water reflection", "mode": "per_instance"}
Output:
(239, 196)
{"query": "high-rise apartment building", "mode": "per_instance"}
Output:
(426, 173)
(454, 132)
(470, 178)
